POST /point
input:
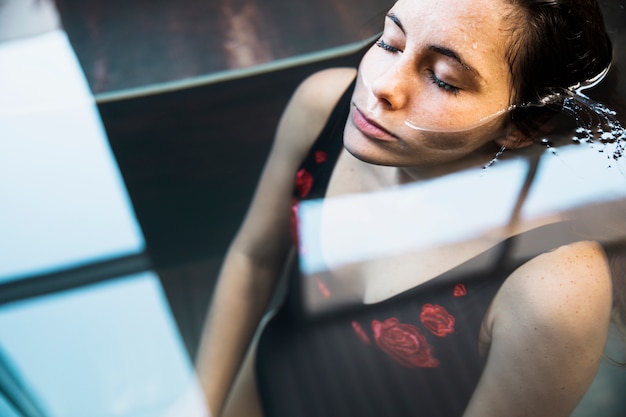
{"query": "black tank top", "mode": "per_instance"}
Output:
(413, 354)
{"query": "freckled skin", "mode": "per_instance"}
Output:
(561, 322)
(403, 89)
(544, 333)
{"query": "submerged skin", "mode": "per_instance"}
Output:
(545, 330)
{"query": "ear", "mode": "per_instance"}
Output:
(514, 139)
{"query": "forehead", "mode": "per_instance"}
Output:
(479, 30)
(473, 21)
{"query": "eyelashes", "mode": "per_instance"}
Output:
(448, 88)
(382, 44)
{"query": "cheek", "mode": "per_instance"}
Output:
(460, 142)
(441, 112)
(376, 63)
(443, 141)
(433, 115)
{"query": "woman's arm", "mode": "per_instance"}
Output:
(547, 328)
(256, 256)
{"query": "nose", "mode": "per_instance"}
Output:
(391, 87)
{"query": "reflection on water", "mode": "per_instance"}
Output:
(109, 350)
(471, 210)
(370, 247)
(63, 198)
(113, 349)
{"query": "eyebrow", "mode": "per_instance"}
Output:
(452, 54)
(438, 49)
(397, 21)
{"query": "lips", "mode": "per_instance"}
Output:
(369, 127)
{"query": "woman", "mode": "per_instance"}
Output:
(434, 93)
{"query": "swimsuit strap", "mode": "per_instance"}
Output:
(316, 169)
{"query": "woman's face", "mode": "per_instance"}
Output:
(426, 90)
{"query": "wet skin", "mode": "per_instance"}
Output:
(439, 65)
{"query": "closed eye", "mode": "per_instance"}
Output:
(382, 44)
(449, 88)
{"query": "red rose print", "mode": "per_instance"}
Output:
(361, 333)
(304, 182)
(459, 290)
(404, 343)
(320, 157)
(437, 320)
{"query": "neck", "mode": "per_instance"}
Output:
(479, 159)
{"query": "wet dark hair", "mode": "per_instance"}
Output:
(558, 46)
(555, 45)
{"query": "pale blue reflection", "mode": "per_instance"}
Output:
(110, 349)
(411, 233)
(6, 410)
(63, 200)
(360, 227)
(474, 205)
(573, 177)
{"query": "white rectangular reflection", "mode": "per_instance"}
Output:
(62, 198)
(467, 205)
(413, 217)
(371, 246)
(106, 350)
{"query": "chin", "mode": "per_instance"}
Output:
(371, 154)
(364, 156)
(364, 151)
(363, 148)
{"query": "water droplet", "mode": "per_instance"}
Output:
(595, 123)
(495, 158)
(546, 142)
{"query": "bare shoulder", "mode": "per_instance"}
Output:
(300, 124)
(321, 90)
(310, 106)
(568, 286)
(546, 331)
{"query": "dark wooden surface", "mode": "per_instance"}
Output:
(124, 44)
